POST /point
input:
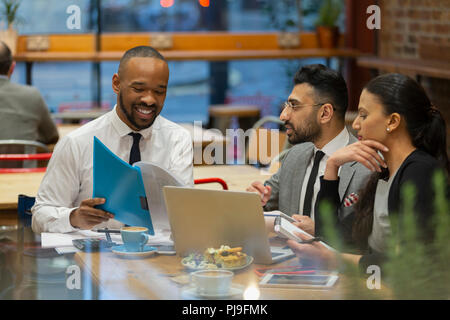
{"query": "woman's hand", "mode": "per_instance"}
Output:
(314, 251)
(365, 152)
(304, 222)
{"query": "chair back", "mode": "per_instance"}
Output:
(24, 205)
(12, 146)
(266, 144)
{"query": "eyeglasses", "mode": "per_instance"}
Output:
(299, 106)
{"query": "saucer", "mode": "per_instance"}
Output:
(236, 292)
(122, 251)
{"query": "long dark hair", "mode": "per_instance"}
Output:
(426, 127)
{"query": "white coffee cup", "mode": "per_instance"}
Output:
(213, 282)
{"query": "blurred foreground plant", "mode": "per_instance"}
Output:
(414, 269)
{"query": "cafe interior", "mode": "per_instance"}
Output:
(232, 64)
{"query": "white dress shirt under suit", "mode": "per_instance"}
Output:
(69, 176)
(340, 141)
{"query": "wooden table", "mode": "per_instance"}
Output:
(237, 177)
(163, 277)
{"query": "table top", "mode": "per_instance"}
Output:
(32, 272)
(238, 178)
(163, 277)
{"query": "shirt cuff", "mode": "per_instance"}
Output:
(65, 220)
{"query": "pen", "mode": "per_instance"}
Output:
(107, 231)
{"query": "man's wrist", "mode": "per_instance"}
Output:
(72, 218)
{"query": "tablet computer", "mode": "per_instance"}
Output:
(313, 281)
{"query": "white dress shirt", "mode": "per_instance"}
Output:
(340, 141)
(69, 176)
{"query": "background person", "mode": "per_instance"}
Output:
(24, 115)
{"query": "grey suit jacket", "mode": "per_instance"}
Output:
(287, 182)
(24, 115)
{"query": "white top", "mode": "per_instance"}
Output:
(381, 228)
(69, 176)
(340, 141)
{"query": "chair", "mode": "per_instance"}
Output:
(220, 116)
(212, 180)
(24, 205)
(23, 154)
(262, 138)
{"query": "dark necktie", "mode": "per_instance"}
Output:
(307, 204)
(135, 154)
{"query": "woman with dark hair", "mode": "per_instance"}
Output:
(402, 138)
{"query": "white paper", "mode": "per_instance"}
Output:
(274, 213)
(60, 240)
(161, 237)
(155, 178)
(56, 240)
(290, 228)
(64, 250)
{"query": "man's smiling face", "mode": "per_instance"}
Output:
(141, 88)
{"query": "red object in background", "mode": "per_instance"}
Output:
(211, 180)
(34, 156)
(204, 3)
(23, 170)
(23, 157)
(166, 3)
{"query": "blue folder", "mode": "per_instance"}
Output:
(122, 186)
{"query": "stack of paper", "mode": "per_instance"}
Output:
(64, 240)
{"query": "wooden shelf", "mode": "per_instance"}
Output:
(208, 55)
(434, 69)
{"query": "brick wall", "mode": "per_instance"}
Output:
(419, 29)
(408, 24)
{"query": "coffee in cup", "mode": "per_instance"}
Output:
(134, 238)
(212, 282)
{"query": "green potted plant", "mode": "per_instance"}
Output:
(326, 24)
(8, 13)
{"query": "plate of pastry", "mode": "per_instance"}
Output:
(222, 258)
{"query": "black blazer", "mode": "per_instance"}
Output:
(418, 169)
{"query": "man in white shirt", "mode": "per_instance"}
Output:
(133, 131)
(314, 116)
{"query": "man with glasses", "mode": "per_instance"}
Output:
(314, 117)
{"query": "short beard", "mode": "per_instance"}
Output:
(130, 115)
(310, 133)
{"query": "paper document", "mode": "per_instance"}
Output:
(274, 213)
(58, 240)
(155, 178)
(294, 228)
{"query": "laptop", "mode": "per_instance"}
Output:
(202, 219)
